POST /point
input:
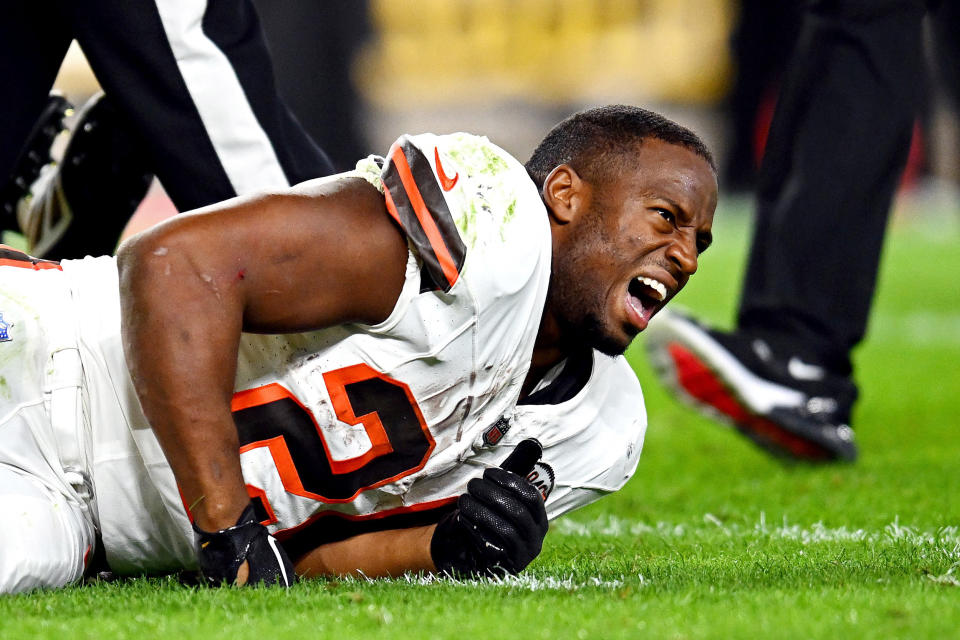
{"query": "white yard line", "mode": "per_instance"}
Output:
(805, 534)
(945, 540)
(526, 581)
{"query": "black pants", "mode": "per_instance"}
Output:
(327, 34)
(761, 44)
(836, 150)
(197, 89)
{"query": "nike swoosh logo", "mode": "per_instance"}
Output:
(803, 371)
(276, 553)
(445, 182)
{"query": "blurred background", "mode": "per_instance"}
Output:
(360, 72)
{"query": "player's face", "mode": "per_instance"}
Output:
(630, 246)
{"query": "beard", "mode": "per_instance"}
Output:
(581, 311)
(590, 331)
(578, 294)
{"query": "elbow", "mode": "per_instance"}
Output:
(127, 257)
(142, 262)
(169, 271)
(134, 272)
(142, 257)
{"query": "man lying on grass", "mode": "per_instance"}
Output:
(325, 380)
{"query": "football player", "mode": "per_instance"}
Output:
(324, 380)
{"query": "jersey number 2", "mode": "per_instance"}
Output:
(271, 416)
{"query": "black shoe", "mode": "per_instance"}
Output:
(33, 158)
(791, 408)
(80, 206)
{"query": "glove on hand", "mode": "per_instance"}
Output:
(222, 553)
(499, 523)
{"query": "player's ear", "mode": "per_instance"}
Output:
(563, 192)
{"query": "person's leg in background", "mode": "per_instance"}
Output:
(836, 150)
(313, 46)
(837, 147)
(760, 45)
(190, 96)
(197, 85)
(33, 41)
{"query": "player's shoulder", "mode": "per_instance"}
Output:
(459, 197)
(614, 396)
(463, 156)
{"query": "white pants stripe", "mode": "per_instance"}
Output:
(242, 145)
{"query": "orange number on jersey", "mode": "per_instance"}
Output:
(271, 416)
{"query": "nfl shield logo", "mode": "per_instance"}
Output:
(499, 429)
(4, 330)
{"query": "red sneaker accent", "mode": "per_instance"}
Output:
(701, 383)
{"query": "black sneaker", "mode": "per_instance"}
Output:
(789, 407)
(34, 157)
(80, 206)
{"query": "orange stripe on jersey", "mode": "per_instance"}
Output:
(10, 257)
(36, 266)
(259, 395)
(423, 215)
(392, 207)
(256, 493)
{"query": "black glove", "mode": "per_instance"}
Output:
(221, 554)
(499, 523)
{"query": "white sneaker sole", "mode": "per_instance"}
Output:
(705, 375)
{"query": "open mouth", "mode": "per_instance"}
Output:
(645, 296)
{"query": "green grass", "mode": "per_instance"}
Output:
(711, 539)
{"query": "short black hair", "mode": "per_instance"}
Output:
(597, 141)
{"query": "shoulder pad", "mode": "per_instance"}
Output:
(415, 199)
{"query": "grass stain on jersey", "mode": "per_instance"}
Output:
(467, 223)
(474, 152)
(511, 211)
(505, 219)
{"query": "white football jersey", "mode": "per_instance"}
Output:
(357, 428)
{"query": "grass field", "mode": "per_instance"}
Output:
(711, 539)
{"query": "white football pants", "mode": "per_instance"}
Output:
(46, 532)
(46, 510)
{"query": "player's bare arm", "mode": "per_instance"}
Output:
(374, 555)
(322, 254)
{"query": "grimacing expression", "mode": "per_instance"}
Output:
(631, 245)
